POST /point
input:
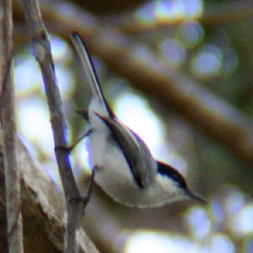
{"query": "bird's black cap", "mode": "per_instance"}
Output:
(168, 171)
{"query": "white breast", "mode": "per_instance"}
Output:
(113, 174)
(114, 177)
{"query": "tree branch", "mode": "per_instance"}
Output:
(42, 52)
(8, 132)
(43, 209)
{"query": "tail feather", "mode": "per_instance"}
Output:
(90, 71)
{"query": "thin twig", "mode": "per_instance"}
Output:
(8, 134)
(42, 52)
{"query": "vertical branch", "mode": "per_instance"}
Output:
(8, 133)
(42, 52)
(3, 214)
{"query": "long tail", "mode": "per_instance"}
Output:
(90, 71)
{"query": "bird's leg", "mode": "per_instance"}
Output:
(69, 148)
(86, 199)
(86, 133)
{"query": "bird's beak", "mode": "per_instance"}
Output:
(196, 197)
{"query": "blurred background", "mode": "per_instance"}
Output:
(179, 73)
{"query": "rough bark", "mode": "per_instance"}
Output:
(43, 209)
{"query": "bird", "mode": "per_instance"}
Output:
(123, 164)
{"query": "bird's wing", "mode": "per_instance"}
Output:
(135, 151)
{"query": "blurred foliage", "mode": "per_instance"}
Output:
(219, 56)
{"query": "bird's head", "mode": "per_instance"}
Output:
(176, 184)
